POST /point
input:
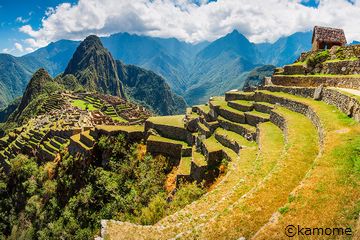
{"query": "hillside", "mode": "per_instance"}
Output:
(149, 89)
(95, 68)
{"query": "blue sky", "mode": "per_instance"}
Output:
(16, 13)
(26, 25)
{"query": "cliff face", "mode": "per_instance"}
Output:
(95, 68)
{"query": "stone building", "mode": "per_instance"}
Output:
(325, 38)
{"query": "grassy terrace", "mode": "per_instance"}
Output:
(322, 75)
(342, 60)
(243, 175)
(174, 121)
(203, 108)
(212, 145)
(246, 126)
(250, 213)
(258, 114)
(243, 103)
(184, 166)
(166, 140)
(132, 128)
(357, 97)
(76, 138)
(198, 158)
(232, 136)
(331, 189)
(82, 105)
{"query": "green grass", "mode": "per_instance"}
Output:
(198, 158)
(342, 60)
(166, 140)
(259, 114)
(82, 105)
(232, 136)
(131, 128)
(175, 121)
(212, 145)
(184, 166)
(243, 103)
(118, 119)
(323, 75)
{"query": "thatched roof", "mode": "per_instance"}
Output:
(329, 35)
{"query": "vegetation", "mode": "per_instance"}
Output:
(66, 200)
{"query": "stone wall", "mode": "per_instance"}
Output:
(340, 67)
(234, 117)
(171, 132)
(294, 69)
(171, 150)
(295, 106)
(313, 81)
(238, 129)
(131, 136)
(348, 105)
(233, 145)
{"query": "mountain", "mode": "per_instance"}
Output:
(53, 57)
(40, 86)
(168, 57)
(192, 71)
(285, 50)
(14, 76)
(150, 89)
(220, 66)
(256, 76)
(94, 67)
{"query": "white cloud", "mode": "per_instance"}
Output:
(19, 47)
(6, 50)
(192, 21)
(22, 20)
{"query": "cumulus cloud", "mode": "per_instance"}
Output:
(192, 21)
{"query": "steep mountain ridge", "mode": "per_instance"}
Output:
(94, 67)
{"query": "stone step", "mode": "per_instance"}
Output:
(183, 171)
(241, 105)
(232, 114)
(87, 139)
(204, 130)
(263, 107)
(255, 117)
(238, 95)
(245, 130)
(212, 126)
(232, 140)
(55, 143)
(50, 147)
(168, 147)
(204, 111)
(212, 150)
(44, 154)
(199, 166)
(172, 127)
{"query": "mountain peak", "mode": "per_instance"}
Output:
(92, 40)
(95, 68)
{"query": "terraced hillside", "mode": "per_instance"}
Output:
(290, 159)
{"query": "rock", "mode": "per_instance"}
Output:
(343, 69)
(318, 92)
